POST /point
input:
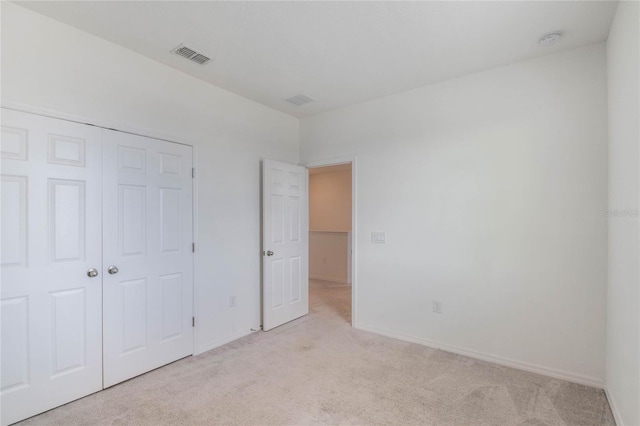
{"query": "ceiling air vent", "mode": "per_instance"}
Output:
(299, 100)
(191, 54)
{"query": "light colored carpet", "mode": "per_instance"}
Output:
(318, 370)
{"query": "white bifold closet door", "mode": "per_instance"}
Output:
(51, 237)
(96, 259)
(148, 236)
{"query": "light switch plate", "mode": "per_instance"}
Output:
(378, 237)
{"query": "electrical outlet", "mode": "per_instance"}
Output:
(232, 301)
(324, 260)
(437, 306)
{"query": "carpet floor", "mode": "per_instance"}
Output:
(319, 370)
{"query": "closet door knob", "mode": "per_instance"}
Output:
(92, 273)
(112, 270)
(269, 253)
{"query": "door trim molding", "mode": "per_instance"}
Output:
(126, 127)
(354, 224)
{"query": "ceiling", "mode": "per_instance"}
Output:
(338, 53)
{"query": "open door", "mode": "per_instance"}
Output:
(285, 227)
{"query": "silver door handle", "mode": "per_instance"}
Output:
(269, 253)
(93, 272)
(113, 270)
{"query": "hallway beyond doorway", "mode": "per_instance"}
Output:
(331, 298)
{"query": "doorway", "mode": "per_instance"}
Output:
(331, 239)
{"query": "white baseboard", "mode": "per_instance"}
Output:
(220, 342)
(525, 366)
(333, 280)
(614, 408)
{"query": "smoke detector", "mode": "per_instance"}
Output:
(299, 100)
(190, 54)
(550, 39)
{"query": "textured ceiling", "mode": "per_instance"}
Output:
(338, 53)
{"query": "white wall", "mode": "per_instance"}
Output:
(623, 296)
(51, 66)
(491, 189)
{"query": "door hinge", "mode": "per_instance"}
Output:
(193, 247)
(193, 321)
(193, 172)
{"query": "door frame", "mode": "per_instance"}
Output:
(354, 224)
(126, 127)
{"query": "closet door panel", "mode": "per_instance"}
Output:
(51, 237)
(148, 234)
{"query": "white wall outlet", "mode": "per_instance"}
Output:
(378, 237)
(232, 301)
(437, 306)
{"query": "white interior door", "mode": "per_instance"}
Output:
(51, 237)
(148, 302)
(285, 225)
